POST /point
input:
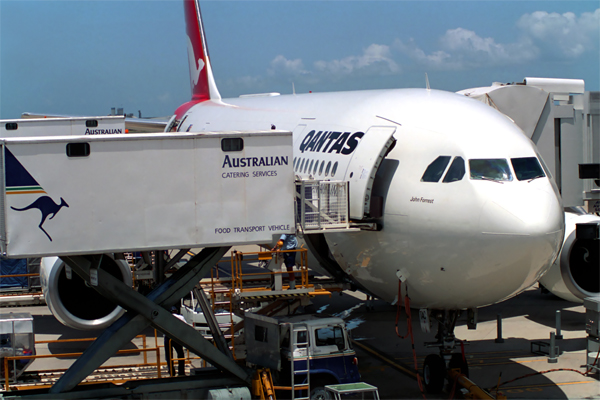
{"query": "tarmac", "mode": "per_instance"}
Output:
(387, 361)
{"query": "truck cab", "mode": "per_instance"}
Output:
(302, 349)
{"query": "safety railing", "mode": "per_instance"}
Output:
(14, 359)
(238, 275)
(29, 285)
(322, 205)
(189, 358)
(248, 284)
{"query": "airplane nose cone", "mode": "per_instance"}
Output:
(527, 231)
(534, 211)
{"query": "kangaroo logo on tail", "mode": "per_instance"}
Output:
(47, 207)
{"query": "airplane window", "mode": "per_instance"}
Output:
(327, 169)
(301, 165)
(527, 168)
(434, 171)
(305, 166)
(295, 161)
(321, 168)
(490, 170)
(316, 167)
(310, 167)
(456, 170)
(334, 169)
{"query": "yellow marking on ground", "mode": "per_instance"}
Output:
(470, 356)
(528, 361)
(380, 356)
(506, 363)
(545, 385)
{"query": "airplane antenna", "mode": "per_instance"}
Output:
(427, 81)
(293, 89)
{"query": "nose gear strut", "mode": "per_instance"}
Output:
(436, 367)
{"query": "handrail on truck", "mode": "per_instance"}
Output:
(238, 274)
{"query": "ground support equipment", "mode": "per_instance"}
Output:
(145, 311)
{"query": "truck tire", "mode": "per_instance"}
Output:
(319, 393)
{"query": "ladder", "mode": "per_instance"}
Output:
(300, 351)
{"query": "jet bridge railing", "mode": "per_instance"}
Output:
(322, 205)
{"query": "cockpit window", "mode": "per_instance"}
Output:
(434, 171)
(527, 168)
(490, 169)
(456, 171)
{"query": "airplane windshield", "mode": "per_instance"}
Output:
(456, 170)
(527, 168)
(434, 171)
(490, 170)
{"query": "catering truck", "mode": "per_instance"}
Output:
(302, 350)
(94, 194)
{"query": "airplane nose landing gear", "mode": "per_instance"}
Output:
(436, 367)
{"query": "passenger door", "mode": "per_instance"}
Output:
(363, 166)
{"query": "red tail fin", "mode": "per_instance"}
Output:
(202, 81)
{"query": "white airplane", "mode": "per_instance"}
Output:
(467, 215)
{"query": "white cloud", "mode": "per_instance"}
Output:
(375, 60)
(542, 34)
(475, 50)
(562, 34)
(436, 60)
(291, 68)
(462, 48)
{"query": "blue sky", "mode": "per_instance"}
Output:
(84, 57)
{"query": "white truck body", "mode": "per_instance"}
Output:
(71, 195)
(27, 127)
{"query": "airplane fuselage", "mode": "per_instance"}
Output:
(462, 241)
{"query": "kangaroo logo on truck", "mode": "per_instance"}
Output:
(20, 181)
